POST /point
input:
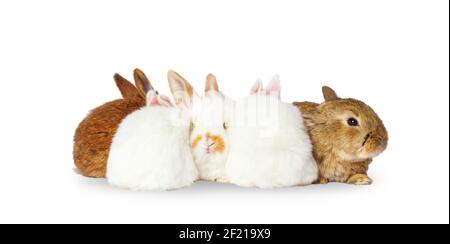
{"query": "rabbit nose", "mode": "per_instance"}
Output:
(210, 146)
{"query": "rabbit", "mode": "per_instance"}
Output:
(93, 137)
(269, 148)
(150, 150)
(208, 139)
(346, 135)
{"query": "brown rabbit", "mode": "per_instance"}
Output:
(94, 135)
(346, 135)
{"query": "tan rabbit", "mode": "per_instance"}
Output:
(346, 135)
(93, 137)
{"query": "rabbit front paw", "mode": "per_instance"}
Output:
(222, 180)
(360, 180)
(322, 181)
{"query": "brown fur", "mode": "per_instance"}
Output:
(196, 141)
(94, 135)
(127, 89)
(219, 143)
(142, 83)
(343, 152)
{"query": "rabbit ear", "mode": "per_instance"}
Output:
(329, 94)
(153, 99)
(211, 84)
(181, 90)
(164, 101)
(127, 89)
(274, 87)
(257, 88)
(142, 82)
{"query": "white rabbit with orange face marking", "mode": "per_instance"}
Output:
(269, 145)
(150, 150)
(208, 139)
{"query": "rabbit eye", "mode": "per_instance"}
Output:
(225, 126)
(352, 122)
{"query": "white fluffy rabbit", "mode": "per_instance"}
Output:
(150, 150)
(208, 139)
(269, 144)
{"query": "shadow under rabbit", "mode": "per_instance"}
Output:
(214, 189)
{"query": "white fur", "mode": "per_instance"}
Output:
(151, 152)
(208, 115)
(272, 152)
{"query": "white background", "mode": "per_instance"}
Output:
(57, 59)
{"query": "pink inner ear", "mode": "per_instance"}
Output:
(154, 101)
(152, 98)
(164, 101)
(257, 88)
(274, 88)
